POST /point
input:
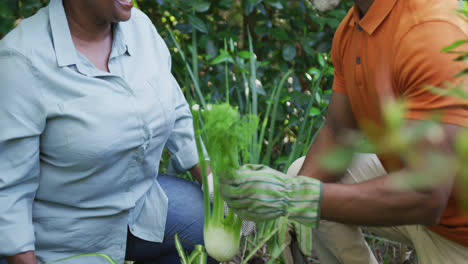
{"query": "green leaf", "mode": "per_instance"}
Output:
(201, 6)
(197, 23)
(5, 12)
(289, 52)
(279, 33)
(314, 111)
(307, 44)
(313, 71)
(244, 54)
(454, 45)
(223, 57)
(225, 3)
(264, 63)
(274, 3)
(210, 48)
(465, 71)
(320, 59)
(462, 57)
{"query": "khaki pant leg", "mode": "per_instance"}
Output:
(339, 243)
(336, 243)
(432, 248)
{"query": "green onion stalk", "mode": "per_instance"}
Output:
(225, 134)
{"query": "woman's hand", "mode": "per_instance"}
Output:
(22, 258)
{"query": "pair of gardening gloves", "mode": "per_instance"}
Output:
(259, 193)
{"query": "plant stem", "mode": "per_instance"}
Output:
(253, 88)
(267, 113)
(202, 162)
(192, 76)
(266, 159)
(195, 55)
(180, 250)
(259, 245)
(292, 155)
(226, 74)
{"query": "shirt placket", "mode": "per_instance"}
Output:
(359, 58)
(145, 133)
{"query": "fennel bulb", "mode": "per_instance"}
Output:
(226, 134)
(221, 243)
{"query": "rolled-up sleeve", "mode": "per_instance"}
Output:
(181, 144)
(22, 119)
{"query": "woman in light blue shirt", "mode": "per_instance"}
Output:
(87, 104)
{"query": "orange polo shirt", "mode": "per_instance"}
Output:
(393, 51)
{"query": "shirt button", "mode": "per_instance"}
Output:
(359, 27)
(358, 60)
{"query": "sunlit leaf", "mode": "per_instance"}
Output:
(314, 111)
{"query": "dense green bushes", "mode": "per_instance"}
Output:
(286, 36)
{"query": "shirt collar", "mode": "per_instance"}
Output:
(120, 46)
(63, 44)
(374, 16)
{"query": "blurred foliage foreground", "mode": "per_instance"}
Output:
(270, 58)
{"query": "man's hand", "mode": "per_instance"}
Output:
(22, 258)
(260, 193)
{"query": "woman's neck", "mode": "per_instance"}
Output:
(83, 24)
(363, 6)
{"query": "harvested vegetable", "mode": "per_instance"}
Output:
(226, 134)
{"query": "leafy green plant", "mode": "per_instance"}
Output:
(225, 134)
(198, 255)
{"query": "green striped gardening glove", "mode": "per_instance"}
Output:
(259, 193)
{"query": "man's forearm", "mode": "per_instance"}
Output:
(340, 120)
(22, 258)
(377, 203)
(325, 141)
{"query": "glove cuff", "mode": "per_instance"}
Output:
(302, 200)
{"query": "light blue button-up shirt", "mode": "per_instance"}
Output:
(79, 147)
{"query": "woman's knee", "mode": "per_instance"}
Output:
(186, 209)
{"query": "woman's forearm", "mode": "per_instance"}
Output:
(22, 258)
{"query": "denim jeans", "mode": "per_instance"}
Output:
(185, 217)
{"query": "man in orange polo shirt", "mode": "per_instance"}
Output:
(382, 49)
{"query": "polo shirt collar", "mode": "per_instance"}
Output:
(376, 14)
(65, 50)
